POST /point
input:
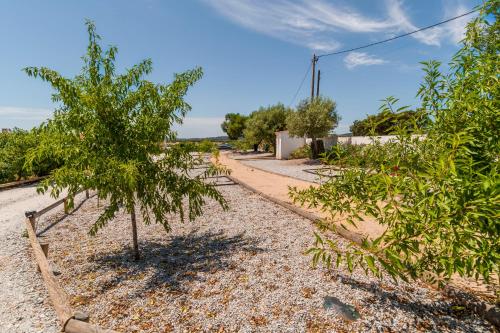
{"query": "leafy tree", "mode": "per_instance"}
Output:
(313, 119)
(389, 121)
(262, 125)
(233, 125)
(439, 198)
(108, 131)
(14, 146)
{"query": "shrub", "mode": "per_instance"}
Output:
(302, 152)
(439, 198)
(13, 150)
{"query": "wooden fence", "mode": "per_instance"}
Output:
(71, 321)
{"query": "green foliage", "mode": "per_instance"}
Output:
(14, 146)
(206, 146)
(241, 144)
(233, 125)
(389, 121)
(302, 152)
(344, 155)
(107, 132)
(439, 198)
(262, 125)
(313, 119)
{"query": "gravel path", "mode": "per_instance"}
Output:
(243, 270)
(24, 303)
(291, 168)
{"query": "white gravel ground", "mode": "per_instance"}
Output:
(287, 168)
(243, 270)
(24, 303)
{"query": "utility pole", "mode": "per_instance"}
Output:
(317, 85)
(314, 60)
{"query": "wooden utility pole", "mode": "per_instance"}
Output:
(314, 60)
(317, 85)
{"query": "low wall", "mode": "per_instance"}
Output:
(286, 144)
(366, 140)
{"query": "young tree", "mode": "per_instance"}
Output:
(313, 119)
(108, 131)
(263, 124)
(439, 198)
(233, 125)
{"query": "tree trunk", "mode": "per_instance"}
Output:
(314, 148)
(134, 234)
(255, 147)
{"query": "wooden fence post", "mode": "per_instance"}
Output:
(65, 205)
(87, 195)
(45, 249)
(31, 215)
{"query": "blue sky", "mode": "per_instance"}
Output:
(253, 52)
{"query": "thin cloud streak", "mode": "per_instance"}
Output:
(355, 59)
(13, 112)
(314, 23)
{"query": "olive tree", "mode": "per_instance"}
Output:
(108, 131)
(262, 125)
(233, 125)
(438, 198)
(313, 119)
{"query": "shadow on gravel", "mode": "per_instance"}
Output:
(61, 218)
(176, 262)
(427, 315)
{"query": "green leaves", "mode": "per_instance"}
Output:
(438, 198)
(313, 119)
(261, 125)
(234, 125)
(109, 130)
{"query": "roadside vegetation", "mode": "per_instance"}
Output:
(439, 198)
(14, 146)
(389, 120)
(311, 119)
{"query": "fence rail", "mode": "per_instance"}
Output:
(71, 321)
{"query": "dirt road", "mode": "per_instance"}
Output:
(24, 303)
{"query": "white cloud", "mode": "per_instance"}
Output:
(308, 23)
(456, 29)
(404, 24)
(314, 23)
(355, 59)
(12, 112)
(199, 127)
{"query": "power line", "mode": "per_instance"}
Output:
(396, 37)
(300, 86)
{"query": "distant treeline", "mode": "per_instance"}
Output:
(211, 139)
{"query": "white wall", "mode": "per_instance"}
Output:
(366, 140)
(286, 144)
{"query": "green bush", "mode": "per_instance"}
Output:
(438, 198)
(302, 152)
(13, 149)
(206, 146)
(241, 144)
